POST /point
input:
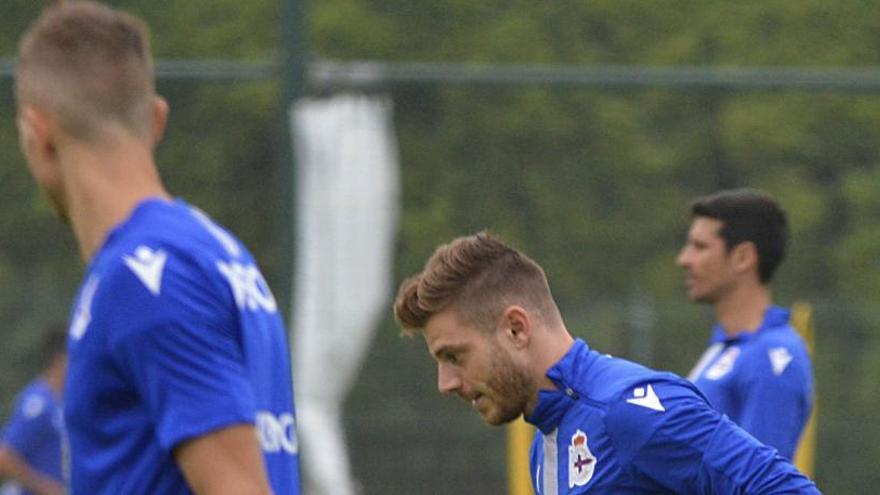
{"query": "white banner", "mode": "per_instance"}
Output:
(346, 210)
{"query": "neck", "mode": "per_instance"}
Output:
(54, 376)
(742, 310)
(103, 185)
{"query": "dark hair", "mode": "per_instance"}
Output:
(479, 275)
(54, 341)
(748, 215)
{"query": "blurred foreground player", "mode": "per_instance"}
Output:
(30, 448)
(179, 376)
(605, 425)
(756, 369)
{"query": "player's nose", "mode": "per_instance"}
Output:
(683, 259)
(448, 380)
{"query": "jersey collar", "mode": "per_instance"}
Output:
(553, 404)
(775, 317)
(117, 230)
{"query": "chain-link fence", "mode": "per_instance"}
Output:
(591, 182)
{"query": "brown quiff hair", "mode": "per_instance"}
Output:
(89, 66)
(479, 276)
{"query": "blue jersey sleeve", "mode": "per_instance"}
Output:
(668, 433)
(177, 345)
(30, 423)
(776, 379)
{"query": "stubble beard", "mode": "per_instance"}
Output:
(510, 386)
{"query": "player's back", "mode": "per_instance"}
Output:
(175, 335)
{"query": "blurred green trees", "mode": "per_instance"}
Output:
(592, 183)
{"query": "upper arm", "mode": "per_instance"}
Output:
(14, 466)
(30, 419)
(179, 350)
(8, 459)
(225, 461)
(784, 387)
(690, 448)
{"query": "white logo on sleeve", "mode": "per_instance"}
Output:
(147, 265)
(581, 462)
(82, 315)
(645, 397)
(779, 359)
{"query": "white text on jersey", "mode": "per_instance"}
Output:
(248, 286)
(277, 433)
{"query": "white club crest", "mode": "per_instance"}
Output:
(724, 364)
(581, 462)
(33, 406)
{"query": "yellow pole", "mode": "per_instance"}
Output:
(519, 440)
(805, 456)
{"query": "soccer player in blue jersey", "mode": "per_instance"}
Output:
(605, 425)
(756, 370)
(179, 376)
(30, 447)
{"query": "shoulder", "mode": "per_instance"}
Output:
(784, 335)
(665, 408)
(651, 401)
(632, 392)
(167, 241)
(777, 352)
(34, 400)
(148, 271)
(634, 396)
(608, 378)
(150, 278)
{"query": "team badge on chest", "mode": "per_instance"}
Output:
(724, 364)
(581, 462)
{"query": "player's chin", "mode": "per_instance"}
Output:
(696, 295)
(496, 417)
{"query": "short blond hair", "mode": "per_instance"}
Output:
(479, 276)
(88, 65)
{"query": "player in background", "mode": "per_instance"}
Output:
(757, 369)
(179, 376)
(605, 425)
(30, 448)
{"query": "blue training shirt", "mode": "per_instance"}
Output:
(34, 431)
(614, 426)
(762, 380)
(175, 334)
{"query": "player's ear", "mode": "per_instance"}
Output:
(516, 325)
(160, 118)
(37, 134)
(745, 256)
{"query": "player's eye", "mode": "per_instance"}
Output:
(452, 357)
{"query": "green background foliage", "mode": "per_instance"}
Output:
(593, 183)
